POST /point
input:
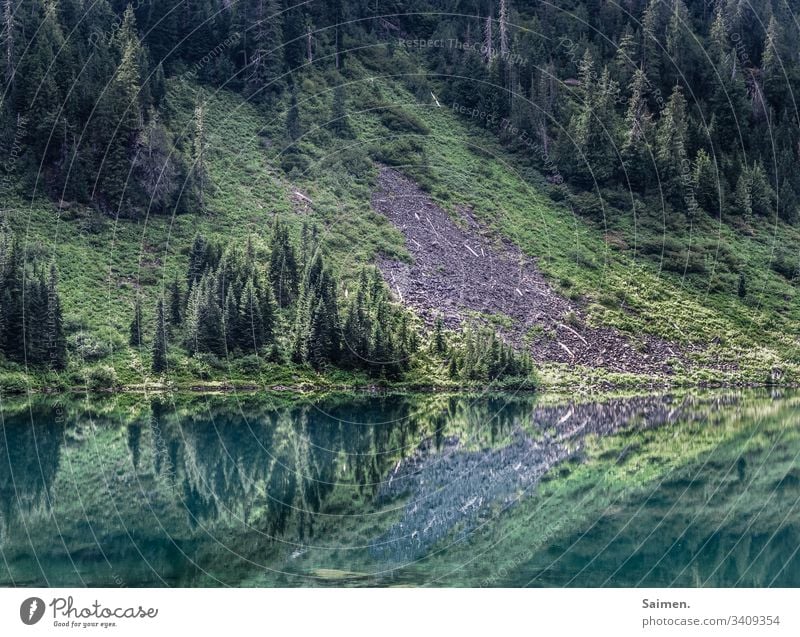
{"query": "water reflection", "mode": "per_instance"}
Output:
(375, 490)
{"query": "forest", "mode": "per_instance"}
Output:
(660, 107)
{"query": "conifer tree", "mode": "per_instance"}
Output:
(135, 338)
(671, 147)
(199, 166)
(175, 303)
(293, 130)
(283, 270)
(262, 34)
(121, 117)
(635, 150)
(56, 342)
(339, 123)
(439, 341)
(12, 307)
(160, 340)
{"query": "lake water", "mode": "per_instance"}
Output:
(393, 490)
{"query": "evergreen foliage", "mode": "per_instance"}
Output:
(31, 321)
(624, 96)
(483, 356)
(160, 340)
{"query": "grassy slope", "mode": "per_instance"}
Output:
(103, 261)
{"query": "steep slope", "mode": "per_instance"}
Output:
(587, 298)
(464, 273)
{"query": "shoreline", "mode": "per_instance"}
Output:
(222, 388)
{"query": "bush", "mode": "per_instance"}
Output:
(209, 359)
(294, 163)
(785, 265)
(250, 365)
(203, 364)
(588, 205)
(399, 121)
(399, 152)
(101, 377)
(356, 163)
(14, 383)
(199, 369)
(87, 347)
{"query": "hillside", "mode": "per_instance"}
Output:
(600, 286)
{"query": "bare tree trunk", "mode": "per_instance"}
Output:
(503, 29)
(488, 40)
(8, 27)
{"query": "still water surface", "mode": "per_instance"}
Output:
(664, 490)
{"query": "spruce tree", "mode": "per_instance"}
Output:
(135, 338)
(706, 184)
(12, 307)
(199, 159)
(197, 260)
(293, 130)
(121, 114)
(671, 147)
(339, 122)
(635, 151)
(56, 342)
(160, 340)
(175, 303)
(260, 25)
(439, 342)
(283, 270)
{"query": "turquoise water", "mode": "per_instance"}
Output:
(424, 490)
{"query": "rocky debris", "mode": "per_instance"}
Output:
(459, 489)
(451, 488)
(461, 269)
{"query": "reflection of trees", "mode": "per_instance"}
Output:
(30, 450)
(276, 467)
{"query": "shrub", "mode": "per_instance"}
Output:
(785, 265)
(250, 365)
(399, 152)
(101, 377)
(399, 121)
(14, 383)
(199, 369)
(588, 205)
(209, 359)
(87, 347)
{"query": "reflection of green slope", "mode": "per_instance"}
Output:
(699, 503)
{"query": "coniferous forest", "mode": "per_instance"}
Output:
(206, 173)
